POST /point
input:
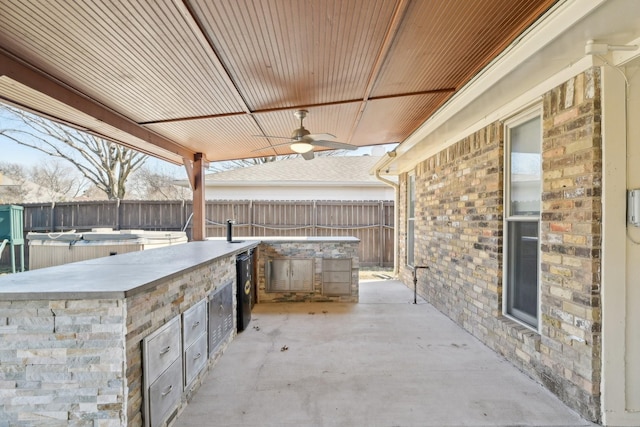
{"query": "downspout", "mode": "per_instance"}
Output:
(384, 162)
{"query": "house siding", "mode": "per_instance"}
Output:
(459, 230)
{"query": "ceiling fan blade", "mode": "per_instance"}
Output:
(272, 136)
(308, 155)
(321, 136)
(335, 145)
(272, 146)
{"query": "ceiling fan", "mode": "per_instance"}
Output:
(302, 141)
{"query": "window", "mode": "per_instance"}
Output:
(411, 219)
(523, 172)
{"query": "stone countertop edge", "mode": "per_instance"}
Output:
(116, 277)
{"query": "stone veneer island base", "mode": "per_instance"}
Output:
(309, 269)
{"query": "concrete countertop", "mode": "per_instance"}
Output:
(116, 276)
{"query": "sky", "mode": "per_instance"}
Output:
(13, 152)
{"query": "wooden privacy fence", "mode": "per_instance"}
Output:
(370, 221)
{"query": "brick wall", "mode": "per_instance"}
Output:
(459, 226)
(570, 348)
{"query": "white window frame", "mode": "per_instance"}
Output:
(411, 220)
(509, 218)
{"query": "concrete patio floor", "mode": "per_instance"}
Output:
(382, 362)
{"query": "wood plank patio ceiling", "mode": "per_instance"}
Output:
(178, 77)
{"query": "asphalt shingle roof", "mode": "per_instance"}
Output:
(321, 169)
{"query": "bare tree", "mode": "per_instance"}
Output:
(12, 180)
(48, 181)
(105, 164)
(57, 181)
(242, 163)
(94, 193)
(148, 184)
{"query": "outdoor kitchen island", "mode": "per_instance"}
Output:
(309, 269)
(97, 342)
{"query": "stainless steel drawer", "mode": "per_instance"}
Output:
(194, 322)
(161, 348)
(165, 393)
(336, 276)
(336, 264)
(195, 358)
(336, 288)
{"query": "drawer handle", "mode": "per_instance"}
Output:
(165, 350)
(167, 390)
(195, 325)
(197, 356)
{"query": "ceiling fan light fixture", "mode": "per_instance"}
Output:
(301, 147)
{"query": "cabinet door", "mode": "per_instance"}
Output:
(227, 309)
(220, 316)
(216, 320)
(279, 275)
(301, 276)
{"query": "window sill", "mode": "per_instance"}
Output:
(520, 331)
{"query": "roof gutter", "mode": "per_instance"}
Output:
(382, 163)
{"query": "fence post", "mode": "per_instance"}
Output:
(381, 246)
(314, 225)
(182, 214)
(52, 217)
(251, 230)
(118, 213)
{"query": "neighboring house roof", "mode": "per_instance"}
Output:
(350, 170)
